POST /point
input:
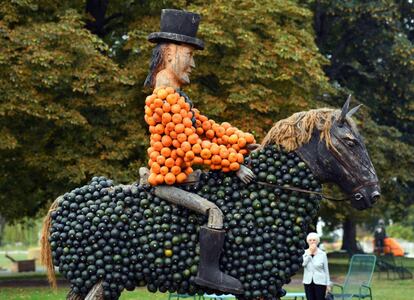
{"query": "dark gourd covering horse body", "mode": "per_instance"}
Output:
(124, 236)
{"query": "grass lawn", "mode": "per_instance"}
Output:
(382, 289)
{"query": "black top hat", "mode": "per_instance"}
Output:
(178, 26)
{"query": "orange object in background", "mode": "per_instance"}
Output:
(391, 246)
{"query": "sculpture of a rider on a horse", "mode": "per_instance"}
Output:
(170, 68)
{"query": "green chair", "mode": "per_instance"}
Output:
(357, 283)
(173, 296)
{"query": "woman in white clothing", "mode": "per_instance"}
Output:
(316, 272)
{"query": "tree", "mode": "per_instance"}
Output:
(72, 102)
(366, 41)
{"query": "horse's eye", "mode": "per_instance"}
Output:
(350, 143)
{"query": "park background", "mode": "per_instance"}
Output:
(72, 96)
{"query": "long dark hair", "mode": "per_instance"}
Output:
(155, 64)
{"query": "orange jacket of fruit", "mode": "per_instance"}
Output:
(177, 143)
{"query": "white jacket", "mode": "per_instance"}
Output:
(316, 268)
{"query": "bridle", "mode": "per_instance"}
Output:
(289, 188)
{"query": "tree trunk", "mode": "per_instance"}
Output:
(2, 226)
(349, 238)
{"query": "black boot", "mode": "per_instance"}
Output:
(209, 274)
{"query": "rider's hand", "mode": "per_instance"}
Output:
(252, 147)
(245, 174)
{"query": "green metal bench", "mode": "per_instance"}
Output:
(295, 296)
(357, 283)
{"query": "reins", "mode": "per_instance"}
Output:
(289, 188)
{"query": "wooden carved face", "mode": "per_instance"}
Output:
(179, 62)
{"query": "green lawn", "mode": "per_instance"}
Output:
(382, 289)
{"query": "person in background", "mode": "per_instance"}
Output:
(379, 235)
(316, 272)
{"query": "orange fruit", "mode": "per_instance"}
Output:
(166, 141)
(189, 155)
(173, 154)
(181, 102)
(202, 118)
(180, 152)
(176, 109)
(215, 149)
(157, 118)
(224, 153)
(210, 133)
(241, 142)
(225, 162)
(225, 169)
(164, 170)
(155, 137)
(159, 179)
(189, 131)
(179, 128)
(186, 146)
(240, 158)
(157, 146)
(243, 151)
(166, 152)
(236, 147)
(181, 137)
(187, 122)
(233, 157)
(193, 138)
(162, 94)
(150, 99)
(198, 160)
(152, 129)
(155, 168)
(181, 177)
(179, 161)
(206, 125)
(234, 166)
(149, 120)
(169, 162)
(166, 118)
(173, 134)
(170, 126)
(216, 159)
(205, 144)
(176, 144)
(249, 138)
(177, 118)
(153, 156)
(225, 125)
(169, 90)
(199, 130)
(148, 111)
(159, 128)
(151, 179)
(225, 139)
(205, 154)
(196, 148)
(207, 161)
(169, 178)
(158, 103)
(220, 131)
(166, 107)
(159, 111)
(160, 160)
(188, 170)
(150, 150)
(172, 98)
(230, 131)
(175, 170)
(233, 138)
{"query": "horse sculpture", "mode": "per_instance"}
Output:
(106, 238)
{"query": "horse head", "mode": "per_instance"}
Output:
(343, 158)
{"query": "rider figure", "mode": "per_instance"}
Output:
(170, 67)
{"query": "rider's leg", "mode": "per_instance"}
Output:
(211, 239)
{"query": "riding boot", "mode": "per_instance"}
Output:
(209, 274)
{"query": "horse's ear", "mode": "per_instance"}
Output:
(344, 111)
(352, 111)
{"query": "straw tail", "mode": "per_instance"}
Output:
(45, 250)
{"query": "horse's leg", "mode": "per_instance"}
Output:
(73, 296)
(96, 293)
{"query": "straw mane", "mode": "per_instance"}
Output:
(293, 132)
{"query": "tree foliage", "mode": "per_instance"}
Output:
(369, 44)
(72, 102)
